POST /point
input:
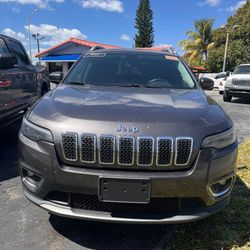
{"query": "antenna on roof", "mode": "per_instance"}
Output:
(96, 48)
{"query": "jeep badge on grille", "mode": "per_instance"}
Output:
(130, 129)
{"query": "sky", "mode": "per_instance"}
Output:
(107, 21)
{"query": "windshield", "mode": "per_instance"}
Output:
(131, 70)
(242, 69)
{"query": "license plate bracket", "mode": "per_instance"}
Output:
(124, 190)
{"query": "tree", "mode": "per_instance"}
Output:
(239, 42)
(144, 25)
(199, 42)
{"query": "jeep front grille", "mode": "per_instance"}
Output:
(88, 148)
(69, 145)
(107, 150)
(183, 151)
(164, 151)
(241, 82)
(126, 148)
(143, 152)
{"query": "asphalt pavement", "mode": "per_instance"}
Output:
(25, 226)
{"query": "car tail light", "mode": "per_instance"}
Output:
(5, 83)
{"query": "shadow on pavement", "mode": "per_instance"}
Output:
(96, 235)
(8, 151)
(242, 100)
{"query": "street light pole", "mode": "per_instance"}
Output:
(29, 22)
(225, 53)
(38, 38)
(226, 47)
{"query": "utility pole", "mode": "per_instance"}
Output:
(29, 22)
(225, 53)
(226, 47)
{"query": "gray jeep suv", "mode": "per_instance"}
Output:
(128, 136)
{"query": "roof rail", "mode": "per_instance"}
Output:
(96, 48)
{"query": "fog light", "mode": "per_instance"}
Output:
(223, 182)
(30, 178)
(222, 187)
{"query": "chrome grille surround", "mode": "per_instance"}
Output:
(145, 139)
(69, 146)
(120, 158)
(109, 149)
(90, 149)
(185, 153)
(162, 152)
(144, 151)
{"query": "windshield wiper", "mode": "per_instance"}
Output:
(79, 83)
(132, 85)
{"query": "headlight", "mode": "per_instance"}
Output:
(34, 132)
(220, 140)
(228, 82)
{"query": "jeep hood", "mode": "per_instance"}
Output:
(239, 76)
(156, 112)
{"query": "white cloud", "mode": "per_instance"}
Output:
(210, 2)
(39, 3)
(54, 34)
(125, 37)
(18, 35)
(108, 5)
(237, 6)
(16, 10)
(163, 45)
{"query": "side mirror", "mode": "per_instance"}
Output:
(227, 73)
(206, 83)
(56, 77)
(8, 61)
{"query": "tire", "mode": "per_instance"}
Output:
(221, 92)
(227, 97)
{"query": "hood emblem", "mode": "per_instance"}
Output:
(125, 129)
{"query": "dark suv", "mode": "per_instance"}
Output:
(20, 84)
(128, 136)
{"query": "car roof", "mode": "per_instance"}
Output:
(134, 51)
(244, 64)
(9, 38)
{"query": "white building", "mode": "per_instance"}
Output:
(62, 56)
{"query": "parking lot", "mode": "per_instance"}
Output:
(25, 226)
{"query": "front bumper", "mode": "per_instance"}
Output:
(66, 211)
(237, 92)
(210, 167)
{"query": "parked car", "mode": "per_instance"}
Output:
(128, 136)
(19, 83)
(216, 78)
(238, 84)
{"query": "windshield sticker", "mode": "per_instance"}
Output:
(172, 58)
(95, 54)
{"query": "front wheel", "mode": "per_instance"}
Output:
(227, 97)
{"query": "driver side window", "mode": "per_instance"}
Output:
(19, 53)
(3, 47)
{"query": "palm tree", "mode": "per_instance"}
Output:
(198, 42)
